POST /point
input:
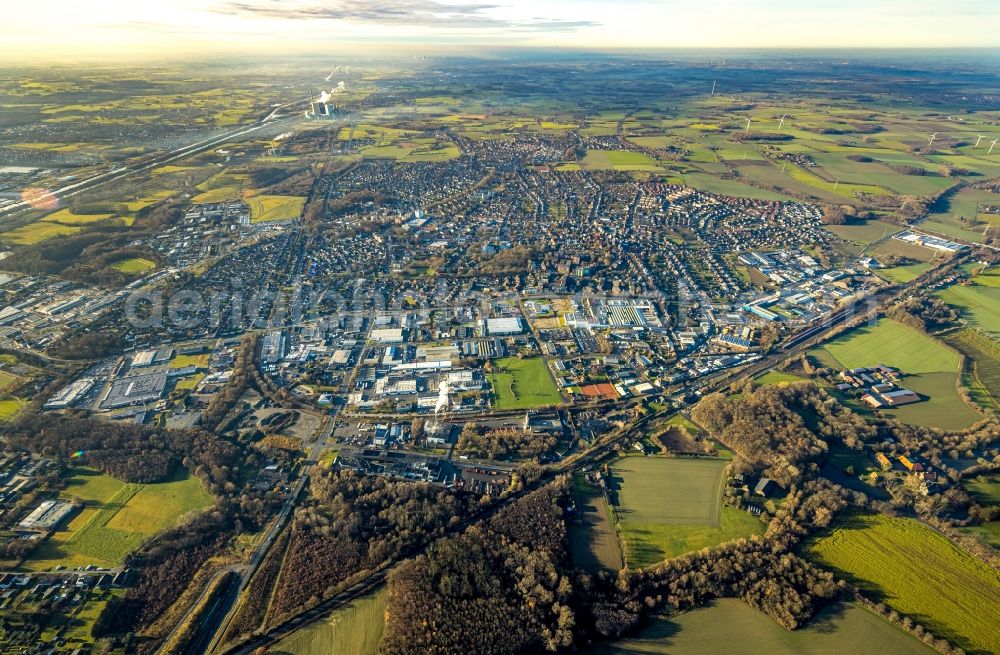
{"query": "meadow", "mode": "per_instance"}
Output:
(275, 208)
(116, 518)
(37, 232)
(931, 369)
(918, 572)
(670, 506)
(981, 370)
(356, 629)
(729, 626)
(593, 541)
(978, 305)
(134, 265)
(522, 383)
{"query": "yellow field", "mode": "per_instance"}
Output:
(181, 361)
(37, 232)
(275, 208)
(9, 408)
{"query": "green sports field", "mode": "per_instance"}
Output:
(731, 627)
(930, 368)
(918, 572)
(522, 383)
(356, 629)
(670, 506)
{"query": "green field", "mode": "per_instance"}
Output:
(183, 361)
(522, 383)
(37, 232)
(918, 572)
(978, 305)
(356, 628)
(592, 539)
(722, 187)
(981, 371)
(275, 208)
(930, 368)
(777, 377)
(986, 490)
(9, 407)
(116, 518)
(667, 507)
(134, 266)
(731, 627)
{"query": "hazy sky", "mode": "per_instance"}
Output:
(139, 27)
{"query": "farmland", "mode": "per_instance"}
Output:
(930, 369)
(37, 232)
(116, 518)
(731, 627)
(356, 628)
(955, 595)
(667, 507)
(275, 208)
(522, 383)
(979, 306)
(981, 374)
(593, 541)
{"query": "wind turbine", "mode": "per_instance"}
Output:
(781, 123)
(931, 142)
(978, 140)
(993, 144)
(750, 118)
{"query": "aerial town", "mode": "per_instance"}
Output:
(391, 361)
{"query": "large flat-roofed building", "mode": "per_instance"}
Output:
(69, 394)
(47, 515)
(135, 390)
(273, 347)
(505, 325)
(387, 335)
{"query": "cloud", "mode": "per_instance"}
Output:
(423, 13)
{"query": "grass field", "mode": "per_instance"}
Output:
(734, 188)
(134, 265)
(66, 217)
(893, 344)
(978, 305)
(9, 407)
(116, 518)
(931, 370)
(356, 629)
(777, 377)
(731, 627)
(522, 383)
(981, 374)
(918, 572)
(667, 507)
(275, 208)
(593, 542)
(37, 232)
(986, 490)
(183, 361)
